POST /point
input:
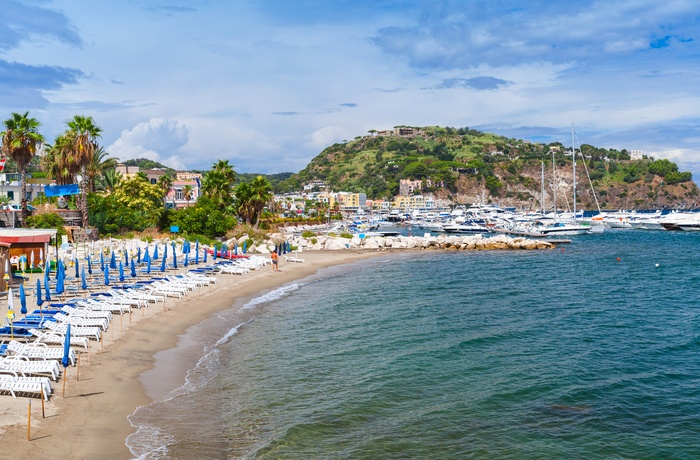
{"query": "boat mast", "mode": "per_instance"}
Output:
(573, 155)
(554, 183)
(542, 193)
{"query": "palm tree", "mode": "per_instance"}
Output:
(20, 141)
(261, 194)
(110, 179)
(226, 169)
(99, 165)
(82, 137)
(165, 182)
(187, 193)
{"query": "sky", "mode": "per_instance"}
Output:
(268, 84)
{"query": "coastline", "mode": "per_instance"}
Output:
(92, 420)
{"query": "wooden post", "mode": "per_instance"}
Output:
(29, 421)
(65, 377)
(43, 413)
(77, 374)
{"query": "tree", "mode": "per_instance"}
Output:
(261, 194)
(165, 182)
(81, 138)
(187, 193)
(20, 141)
(226, 169)
(110, 180)
(98, 167)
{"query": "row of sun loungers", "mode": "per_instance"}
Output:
(27, 369)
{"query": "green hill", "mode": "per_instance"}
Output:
(470, 166)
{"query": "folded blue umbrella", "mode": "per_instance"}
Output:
(162, 263)
(76, 268)
(102, 261)
(138, 256)
(187, 257)
(66, 349)
(39, 300)
(106, 275)
(121, 272)
(148, 266)
(89, 261)
(47, 290)
(205, 256)
(196, 252)
(133, 268)
(146, 256)
(215, 249)
(83, 281)
(22, 300)
(155, 252)
(113, 261)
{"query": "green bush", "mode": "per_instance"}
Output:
(47, 220)
(307, 234)
(346, 235)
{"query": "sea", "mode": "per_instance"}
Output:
(590, 350)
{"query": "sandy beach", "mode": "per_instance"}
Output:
(91, 421)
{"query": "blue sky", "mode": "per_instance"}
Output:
(268, 84)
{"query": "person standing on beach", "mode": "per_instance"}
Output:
(275, 261)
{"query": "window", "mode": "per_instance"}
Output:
(179, 195)
(10, 195)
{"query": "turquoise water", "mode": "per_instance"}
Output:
(525, 355)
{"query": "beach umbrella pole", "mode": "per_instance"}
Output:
(43, 412)
(65, 377)
(29, 420)
(77, 375)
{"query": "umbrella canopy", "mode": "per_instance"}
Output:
(126, 257)
(41, 255)
(138, 255)
(89, 261)
(121, 272)
(133, 268)
(83, 281)
(102, 261)
(205, 257)
(155, 252)
(244, 246)
(146, 256)
(148, 266)
(66, 349)
(106, 276)
(235, 248)
(174, 257)
(77, 270)
(31, 261)
(60, 278)
(215, 252)
(162, 263)
(187, 259)
(47, 289)
(39, 300)
(196, 251)
(113, 261)
(22, 300)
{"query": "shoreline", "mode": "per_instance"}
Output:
(138, 366)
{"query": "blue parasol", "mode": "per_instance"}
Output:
(162, 263)
(121, 272)
(106, 276)
(89, 262)
(60, 278)
(155, 252)
(138, 256)
(165, 251)
(174, 257)
(47, 289)
(77, 272)
(22, 300)
(148, 266)
(83, 281)
(66, 349)
(235, 248)
(133, 268)
(214, 252)
(196, 252)
(187, 257)
(102, 261)
(39, 300)
(146, 256)
(244, 246)
(126, 257)
(205, 256)
(113, 261)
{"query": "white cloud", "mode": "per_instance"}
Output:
(155, 139)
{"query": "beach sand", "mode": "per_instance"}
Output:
(91, 421)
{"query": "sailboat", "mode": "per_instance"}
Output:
(567, 226)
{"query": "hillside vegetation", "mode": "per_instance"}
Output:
(468, 166)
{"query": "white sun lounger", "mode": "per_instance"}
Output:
(78, 331)
(25, 367)
(16, 385)
(59, 339)
(39, 351)
(102, 323)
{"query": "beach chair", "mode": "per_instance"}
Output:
(21, 365)
(78, 331)
(52, 338)
(39, 351)
(20, 386)
(102, 323)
